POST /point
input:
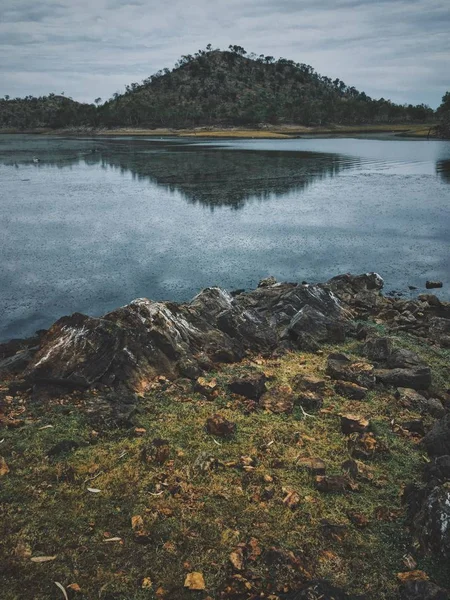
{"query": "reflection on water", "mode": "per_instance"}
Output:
(210, 176)
(89, 224)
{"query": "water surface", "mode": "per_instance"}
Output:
(98, 222)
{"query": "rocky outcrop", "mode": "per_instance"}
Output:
(130, 346)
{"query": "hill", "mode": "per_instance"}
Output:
(221, 88)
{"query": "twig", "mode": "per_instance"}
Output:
(94, 477)
(123, 454)
(216, 442)
(305, 414)
(156, 494)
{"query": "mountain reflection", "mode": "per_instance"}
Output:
(209, 175)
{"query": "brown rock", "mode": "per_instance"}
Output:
(220, 426)
(304, 383)
(279, 399)
(251, 386)
(353, 423)
(4, 469)
(333, 484)
(350, 390)
(340, 367)
(206, 388)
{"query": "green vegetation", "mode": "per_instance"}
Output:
(443, 113)
(219, 88)
(202, 496)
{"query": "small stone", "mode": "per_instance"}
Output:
(194, 581)
(279, 399)
(315, 466)
(205, 388)
(220, 426)
(333, 484)
(309, 401)
(353, 423)
(433, 284)
(350, 390)
(304, 383)
(4, 469)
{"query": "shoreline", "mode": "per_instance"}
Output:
(421, 130)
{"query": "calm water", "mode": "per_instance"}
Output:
(99, 222)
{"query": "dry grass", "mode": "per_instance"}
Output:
(194, 516)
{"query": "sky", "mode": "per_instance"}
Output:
(396, 49)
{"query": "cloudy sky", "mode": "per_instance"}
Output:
(398, 49)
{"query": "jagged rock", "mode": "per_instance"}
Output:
(311, 324)
(267, 281)
(418, 378)
(350, 390)
(437, 441)
(432, 523)
(361, 292)
(439, 331)
(422, 590)
(251, 386)
(433, 284)
(305, 383)
(134, 344)
(340, 367)
(412, 400)
(315, 466)
(378, 349)
(279, 399)
(353, 424)
(17, 363)
(438, 470)
(400, 358)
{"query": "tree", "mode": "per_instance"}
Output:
(97, 101)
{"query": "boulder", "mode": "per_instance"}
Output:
(378, 349)
(438, 470)
(251, 386)
(412, 400)
(433, 284)
(310, 323)
(432, 523)
(439, 331)
(437, 440)
(309, 401)
(340, 367)
(418, 378)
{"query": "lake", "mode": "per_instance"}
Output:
(98, 222)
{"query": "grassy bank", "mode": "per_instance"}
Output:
(240, 510)
(267, 132)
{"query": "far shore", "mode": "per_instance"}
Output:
(423, 130)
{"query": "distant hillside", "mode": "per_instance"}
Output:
(214, 87)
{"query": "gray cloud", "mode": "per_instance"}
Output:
(398, 49)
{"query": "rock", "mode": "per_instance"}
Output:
(315, 466)
(438, 470)
(433, 284)
(310, 326)
(63, 447)
(220, 426)
(350, 390)
(309, 401)
(206, 388)
(305, 383)
(279, 399)
(400, 358)
(422, 590)
(432, 523)
(437, 441)
(251, 386)
(132, 345)
(267, 281)
(16, 363)
(353, 424)
(418, 378)
(340, 367)
(412, 400)
(439, 331)
(332, 484)
(194, 581)
(378, 349)
(414, 426)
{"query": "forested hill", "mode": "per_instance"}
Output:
(216, 87)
